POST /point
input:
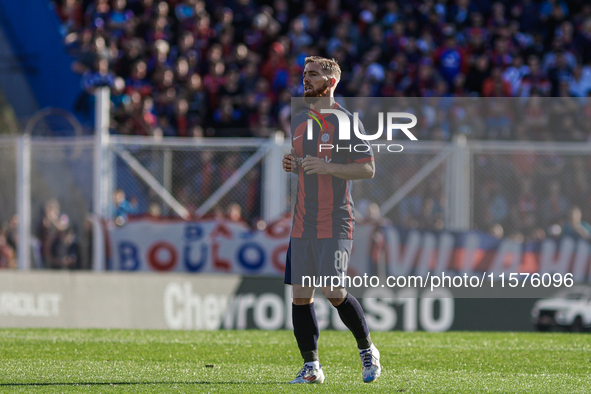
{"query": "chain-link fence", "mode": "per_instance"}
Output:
(525, 190)
(529, 194)
(189, 178)
(61, 201)
(413, 184)
(45, 198)
(408, 189)
(528, 188)
(8, 167)
(8, 199)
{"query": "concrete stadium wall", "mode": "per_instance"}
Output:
(211, 302)
(92, 300)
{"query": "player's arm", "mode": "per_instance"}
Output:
(351, 171)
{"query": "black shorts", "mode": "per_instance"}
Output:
(316, 258)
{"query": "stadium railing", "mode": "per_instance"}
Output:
(521, 188)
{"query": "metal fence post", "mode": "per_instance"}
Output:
(458, 194)
(274, 180)
(101, 175)
(23, 201)
(167, 175)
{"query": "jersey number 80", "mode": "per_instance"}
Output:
(341, 260)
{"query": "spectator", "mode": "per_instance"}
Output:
(555, 206)
(575, 226)
(70, 14)
(478, 73)
(580, 83)
(118, 18)
(560, 72)
(234, 213)
(449, 59)
(7, 252)
(123, 207)
(275, 69)
(65, 251)
(226, 119)
(515, 73)
(154, 210)
(53, 223)
(498, 207)
(527, 202)
(298, 36)
(497, 231)
(179, 118)
(495, 85)
(12, 232)
(535, 81)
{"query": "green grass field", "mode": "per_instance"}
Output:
(103, 361)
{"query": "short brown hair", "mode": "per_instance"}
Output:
(330, 66)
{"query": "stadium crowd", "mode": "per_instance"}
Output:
(195, 68)
(522, 195)
(229, 68)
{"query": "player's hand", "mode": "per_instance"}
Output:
(315, 165)
(290, 163)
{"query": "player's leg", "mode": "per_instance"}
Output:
(352, 316)
(334, 262)
(335, 257)
(305, 325)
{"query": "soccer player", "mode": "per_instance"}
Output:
(322, 233)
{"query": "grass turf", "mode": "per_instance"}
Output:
(103, 361)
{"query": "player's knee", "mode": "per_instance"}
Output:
(335, 295)
(302, 301)
(302, 295)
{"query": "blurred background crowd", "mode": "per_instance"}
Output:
(213, 68)
(229, 68)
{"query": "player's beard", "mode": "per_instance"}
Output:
(314, 95)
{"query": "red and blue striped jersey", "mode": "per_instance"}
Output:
(324, 203)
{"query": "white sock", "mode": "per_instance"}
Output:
(315, 364)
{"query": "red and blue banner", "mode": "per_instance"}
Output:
(231, 247)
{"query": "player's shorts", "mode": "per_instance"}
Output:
(316, 258)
